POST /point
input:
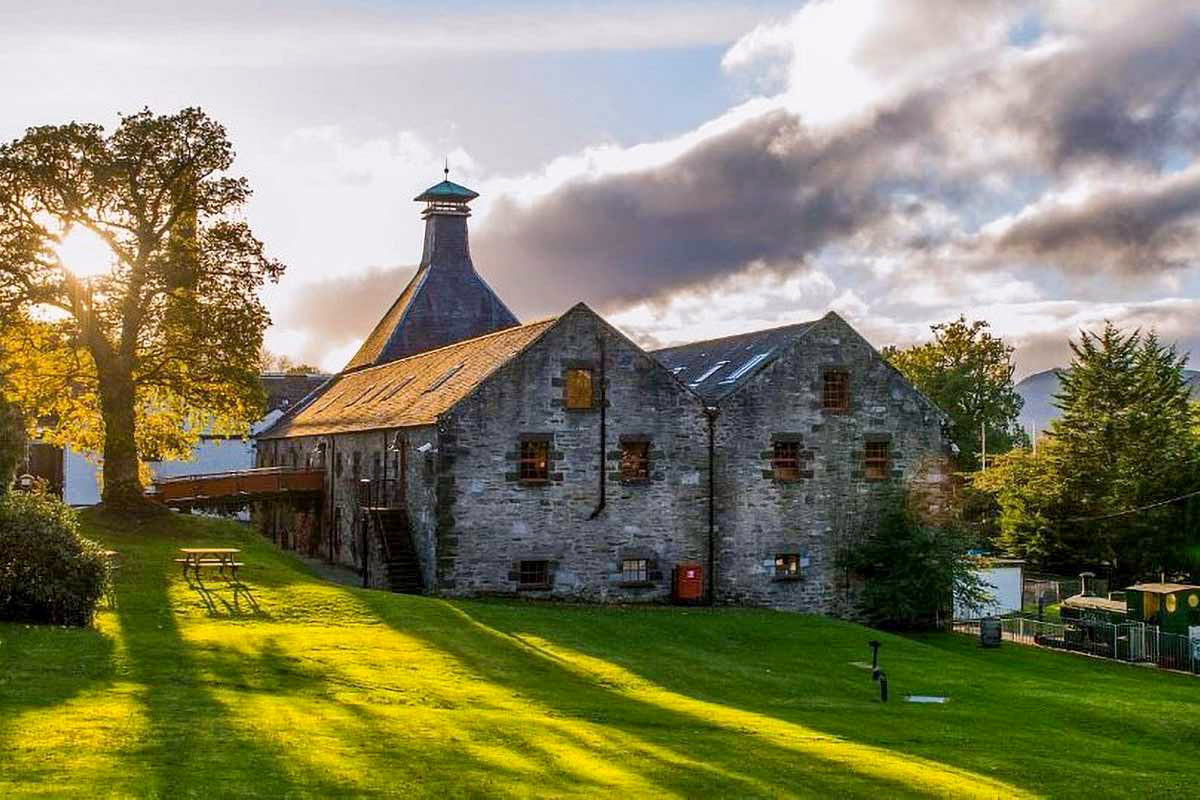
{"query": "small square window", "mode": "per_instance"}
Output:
(635, 570)
(534, 464)
(877, 464)
(635, 461)
(534, 574)
(785, 461)
(787, 565)
(835, 392)
(580, 391)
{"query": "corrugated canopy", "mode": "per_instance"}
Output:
(1162, 588)
(411, 391)
(718, 367)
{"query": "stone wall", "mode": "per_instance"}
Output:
(488, 520)
(831, 503)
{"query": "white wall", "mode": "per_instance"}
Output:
(1003, 581)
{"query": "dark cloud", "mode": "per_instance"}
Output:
(772, 191)
(1129, 95)
(1153, 227)
(769, 191)
(339, 311)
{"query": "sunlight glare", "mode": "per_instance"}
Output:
(84, 253)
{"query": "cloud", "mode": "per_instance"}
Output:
(1154, 226)
(323, 322)
(916, 160)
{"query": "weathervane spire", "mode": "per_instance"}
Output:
(446, 168)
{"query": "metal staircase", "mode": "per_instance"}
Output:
(387, 520)
(402, 565)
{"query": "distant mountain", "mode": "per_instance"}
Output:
(1038, 392)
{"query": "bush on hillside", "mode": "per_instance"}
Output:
(48, 572)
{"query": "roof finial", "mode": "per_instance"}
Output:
(446, 169)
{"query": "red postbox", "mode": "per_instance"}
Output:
(689, 582)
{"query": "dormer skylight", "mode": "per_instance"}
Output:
(745, 368)
(447, 375)
(708, 373)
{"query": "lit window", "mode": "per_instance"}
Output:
(877, 463)
(635, 570)
(785, 461)
(534, 574)
(787, 565)
(635, 461)
(534, 461)
(835, 394)
(579, 391)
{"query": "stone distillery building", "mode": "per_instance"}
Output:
(467, 453)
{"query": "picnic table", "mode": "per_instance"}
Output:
(197, 558)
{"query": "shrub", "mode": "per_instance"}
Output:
(911, 572)
(48, 572)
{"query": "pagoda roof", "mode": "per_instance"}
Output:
(446, 191)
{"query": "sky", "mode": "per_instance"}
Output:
(690, 170)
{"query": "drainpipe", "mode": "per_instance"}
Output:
(603, 432)
(331, 471)
(711, 413)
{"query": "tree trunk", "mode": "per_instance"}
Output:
(122, 486)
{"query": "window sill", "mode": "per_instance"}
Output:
(635, 481)
(637, 584)
(786, 578)
(835, 411)
(533, 587)
(533, 483)
(579, 409)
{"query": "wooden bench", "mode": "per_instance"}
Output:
(197, 558)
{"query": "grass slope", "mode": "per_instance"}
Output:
(302, 688)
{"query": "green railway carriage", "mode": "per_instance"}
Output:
(1173, 607)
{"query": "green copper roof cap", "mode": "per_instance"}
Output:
(446, 192)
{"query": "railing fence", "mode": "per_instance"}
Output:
(1133, 642)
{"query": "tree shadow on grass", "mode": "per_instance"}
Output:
(686, 746)
(192, 745)
(43, 667)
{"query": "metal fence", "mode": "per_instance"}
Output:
(1133, 642)
(1051, 589)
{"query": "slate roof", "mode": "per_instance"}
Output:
(716, 368)
(407, 392)
(285, 390)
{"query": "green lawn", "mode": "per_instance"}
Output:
(303, 688)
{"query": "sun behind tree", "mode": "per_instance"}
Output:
(142, 354)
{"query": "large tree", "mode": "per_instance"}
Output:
(1103, 487)
(12, 438)
(968, 373)
(164, 341)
